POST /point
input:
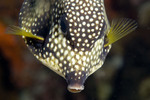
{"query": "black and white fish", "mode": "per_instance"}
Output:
(71, 37)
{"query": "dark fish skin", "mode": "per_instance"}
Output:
(74, 33)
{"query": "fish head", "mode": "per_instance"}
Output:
(80, 41)
(73, 45)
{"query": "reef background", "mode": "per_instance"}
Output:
(125, 74)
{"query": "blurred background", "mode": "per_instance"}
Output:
(125, 74)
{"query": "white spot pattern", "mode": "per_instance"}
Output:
(84, 52)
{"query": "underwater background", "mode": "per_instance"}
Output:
(125, 74)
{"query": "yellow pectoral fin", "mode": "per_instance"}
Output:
(120, 28)
(15, 30)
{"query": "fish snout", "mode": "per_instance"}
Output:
(76, 88)
(76, 81)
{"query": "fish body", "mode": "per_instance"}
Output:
(71, 37)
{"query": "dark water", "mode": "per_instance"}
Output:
(125, 74)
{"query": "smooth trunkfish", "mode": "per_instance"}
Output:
(71, 37)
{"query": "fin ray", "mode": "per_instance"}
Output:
(15, 30)
(120, 28)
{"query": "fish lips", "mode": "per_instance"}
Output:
(76, 81)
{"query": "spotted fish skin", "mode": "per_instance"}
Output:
(74, 33)
(87, 28)
(71, 37)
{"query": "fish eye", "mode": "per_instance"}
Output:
(64, 24)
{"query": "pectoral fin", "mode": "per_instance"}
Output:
(120, 28)
(15, 30)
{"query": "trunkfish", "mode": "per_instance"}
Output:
(71, 37)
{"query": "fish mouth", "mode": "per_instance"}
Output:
(75, 88)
